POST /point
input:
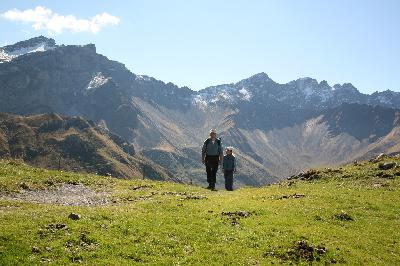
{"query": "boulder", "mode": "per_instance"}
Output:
(378, 158)
(74, 216)
(386, 166)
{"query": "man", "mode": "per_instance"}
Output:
(211, 155)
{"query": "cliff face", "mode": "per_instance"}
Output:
(71, 80)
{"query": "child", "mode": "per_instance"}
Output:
(229, 167)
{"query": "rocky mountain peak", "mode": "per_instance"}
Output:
(257, 79)
(90, 47)
(299, 93)
(345, 87)
(260, 76)
(306, 83)
(324, 83)
(36, 44)
(30, 43)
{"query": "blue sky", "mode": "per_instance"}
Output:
(203, 43)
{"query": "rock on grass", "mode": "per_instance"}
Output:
(343, 216)
(74, 216)
(386, 166)
(299, 251)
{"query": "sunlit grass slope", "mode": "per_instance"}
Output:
(349, 215)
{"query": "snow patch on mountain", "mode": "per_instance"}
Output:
(246, 95)
(384, 99)
(224, 95)
(41, 47)
(326, 95)
(7, 56)
(97, 81)
(199, 101)
(143, 78)
(308, 92)
(4, 57)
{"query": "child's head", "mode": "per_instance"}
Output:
(228, 150)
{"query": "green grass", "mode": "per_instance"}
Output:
(172, 224)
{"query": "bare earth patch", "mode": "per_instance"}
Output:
(69, 195)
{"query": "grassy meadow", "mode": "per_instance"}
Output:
(348, 215)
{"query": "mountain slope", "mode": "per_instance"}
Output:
(339, 216)
(333, 137)
(267, 122)
(70, 143)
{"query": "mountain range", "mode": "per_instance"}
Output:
(277, 129)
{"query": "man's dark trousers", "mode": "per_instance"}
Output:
(228, 174)
(212, 168)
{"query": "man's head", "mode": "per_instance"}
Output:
(213, 134)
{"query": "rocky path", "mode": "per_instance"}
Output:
(69, 195)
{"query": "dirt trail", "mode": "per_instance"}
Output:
(69, 195)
